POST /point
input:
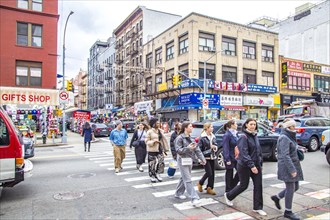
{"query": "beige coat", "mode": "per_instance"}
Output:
(152, 136)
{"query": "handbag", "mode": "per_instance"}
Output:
(186, 161)
(136, 143)
(300, 154)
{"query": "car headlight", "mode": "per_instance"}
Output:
(323, 137)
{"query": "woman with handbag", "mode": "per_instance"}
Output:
(229, 142)
(157, 147)
(187, 149)
(207, 145)
(87, 133)
(289, 168)
(139, 145)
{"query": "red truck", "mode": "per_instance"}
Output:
(11, 152)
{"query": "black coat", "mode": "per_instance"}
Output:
(250, 154)
(173, 136)
(135, 137)
(229, 142)
(205, 146)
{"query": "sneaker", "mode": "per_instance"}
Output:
(141, 169)
(182, 197)
(229, 203)
(291, 215)
(196, 202)
(117, 170)
(276, 201)
(159, 178)
(260, 212)
(153, 179)
(199, 187)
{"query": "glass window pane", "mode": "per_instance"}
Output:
(245, 49)
(21, 80)
(251, 50)
(21, 71)
(232, 47)
(263, 53)
(225, 46)
(36, 6)
(36, 41)
(202, 42)
(270, 53)
(210, 43)
(22, 29)
(23, 4)
(22, 40)
(35, 72)
(35, 81)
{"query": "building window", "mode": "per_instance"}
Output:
(141, 43)
(183, 44)
(158, 59)
(170, 50)
(249, 50)
(210, 71)
(159, 79)
(169, 75)
(249, 76)
(229, 74)
(35, 5)
(299, 83)
(140, 59)
(149, 85)
(185, 69)
(267, 53)
(269, 78)
(29, 34)
(141, 26)
(321, 83)
(28, 73)
(206, 42)
(149, 60)
(228, 46)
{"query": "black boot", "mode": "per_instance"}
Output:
(291, 215)
(276, 201)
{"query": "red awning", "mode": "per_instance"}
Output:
(234, 107)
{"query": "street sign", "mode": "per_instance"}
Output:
(205, 103)
(64, 97)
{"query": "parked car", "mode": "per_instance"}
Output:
(309, 131)
(267, 139)
(111, 126)
(326, 144)
(129, 125)
(100, 130)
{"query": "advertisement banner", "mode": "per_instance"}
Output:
(230, 86)
(261, 88)
(231, 100)
(197, 98)
(82, 115)
(257, 101)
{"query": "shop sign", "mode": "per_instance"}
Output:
(295, 65)
(261, 88)
(325, 69)
(256, 101)
(299, 74)
(231, 100)
(162, 87)
(143, 107)
(197, 98)
(322, 97)
(16, 95)
(196, 83)
(286, 99)
(311, 67)
(230, 86)
(82, 115)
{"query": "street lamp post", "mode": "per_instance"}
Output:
(64, 137)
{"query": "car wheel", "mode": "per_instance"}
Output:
(313, 144)
(274, 153)
(328, 156)
(220, 162)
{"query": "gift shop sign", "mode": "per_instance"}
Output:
(256, 101)
(16, 95)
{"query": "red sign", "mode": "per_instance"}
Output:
(299, 74)
(295, 65)
(82, 115)
(64, 95)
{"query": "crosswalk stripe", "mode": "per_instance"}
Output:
(319, 217)
(100, 158)
(320, 194)
(282, 185)
(188, 205)
(234, 215)
(132, 166)
(141, 186)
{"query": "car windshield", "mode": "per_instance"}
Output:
(297, 110)
(196, 132)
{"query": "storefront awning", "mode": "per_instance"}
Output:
(234, 108)
(165, 109)
(196, 106)
(117, 109)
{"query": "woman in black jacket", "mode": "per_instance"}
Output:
(229, 142)
(177, 128)
(208, 146)
(249, 164)
(140, 146)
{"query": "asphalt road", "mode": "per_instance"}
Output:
(68, 183)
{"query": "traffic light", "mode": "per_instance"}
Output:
(69, 85)
(175, 80)
(179, 79)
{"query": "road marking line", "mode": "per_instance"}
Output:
(100, 158)
(321, 194)
(54, 156)
(188, 205)
(282, 185)
(133, 166)
(234, 215)
(319, 217)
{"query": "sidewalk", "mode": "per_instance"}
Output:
(72, 138)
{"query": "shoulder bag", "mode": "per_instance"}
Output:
(136, 143)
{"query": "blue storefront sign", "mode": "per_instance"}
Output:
(194, 82)
(197, 98)
(261, 88)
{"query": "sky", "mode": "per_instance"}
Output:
(96, 19)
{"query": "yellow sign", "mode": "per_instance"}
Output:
(162, 87)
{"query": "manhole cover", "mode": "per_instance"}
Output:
(82, 175)
(68, 196)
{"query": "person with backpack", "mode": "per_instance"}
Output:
(289, 168)
(207, 145)
(249, 165)
(87, 133)
(229, 142)
(139, 145)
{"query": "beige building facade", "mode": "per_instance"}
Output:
(241, 69)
